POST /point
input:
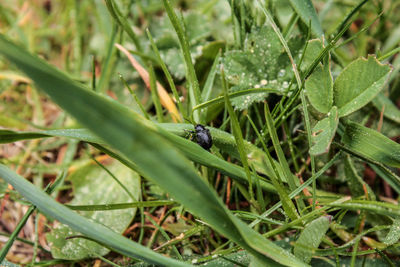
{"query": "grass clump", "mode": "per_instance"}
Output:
(300, 99)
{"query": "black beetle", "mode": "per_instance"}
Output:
(202, 136)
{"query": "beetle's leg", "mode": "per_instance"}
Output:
(190, 133)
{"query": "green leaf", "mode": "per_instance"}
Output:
(323, 133)
(307, 13)
(371, 144)
(390, 110)
(141, 142)
(311, 237)
(319, 88)
(314, 48)
(262, 64)
(358, 84)
(107, 191)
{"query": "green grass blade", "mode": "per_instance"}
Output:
(237, 133)
(6, 247)
(287, 203)
(138, 102)
(376, 207)
(154, 94)
(350, 15)
(208, 86)
(120, 19)
(390, 110)
(191, 150)
(166, 73)
(310, 144)
(96, 231)
(136, 139)
(291, 179)
(371, 144)
(118, 206)
(307, 13)
(194, 87)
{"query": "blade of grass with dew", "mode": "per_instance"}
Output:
(384, 172)
(190, 149)
(223, 140)
(194, 87)
(394, 234)
(377, 207)
(371, 144)
(119, 206)
(134, 138)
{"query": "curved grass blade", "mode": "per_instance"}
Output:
(191, 150)
(136, 139)
(376, 207)
(93, 230)
(119, 206)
